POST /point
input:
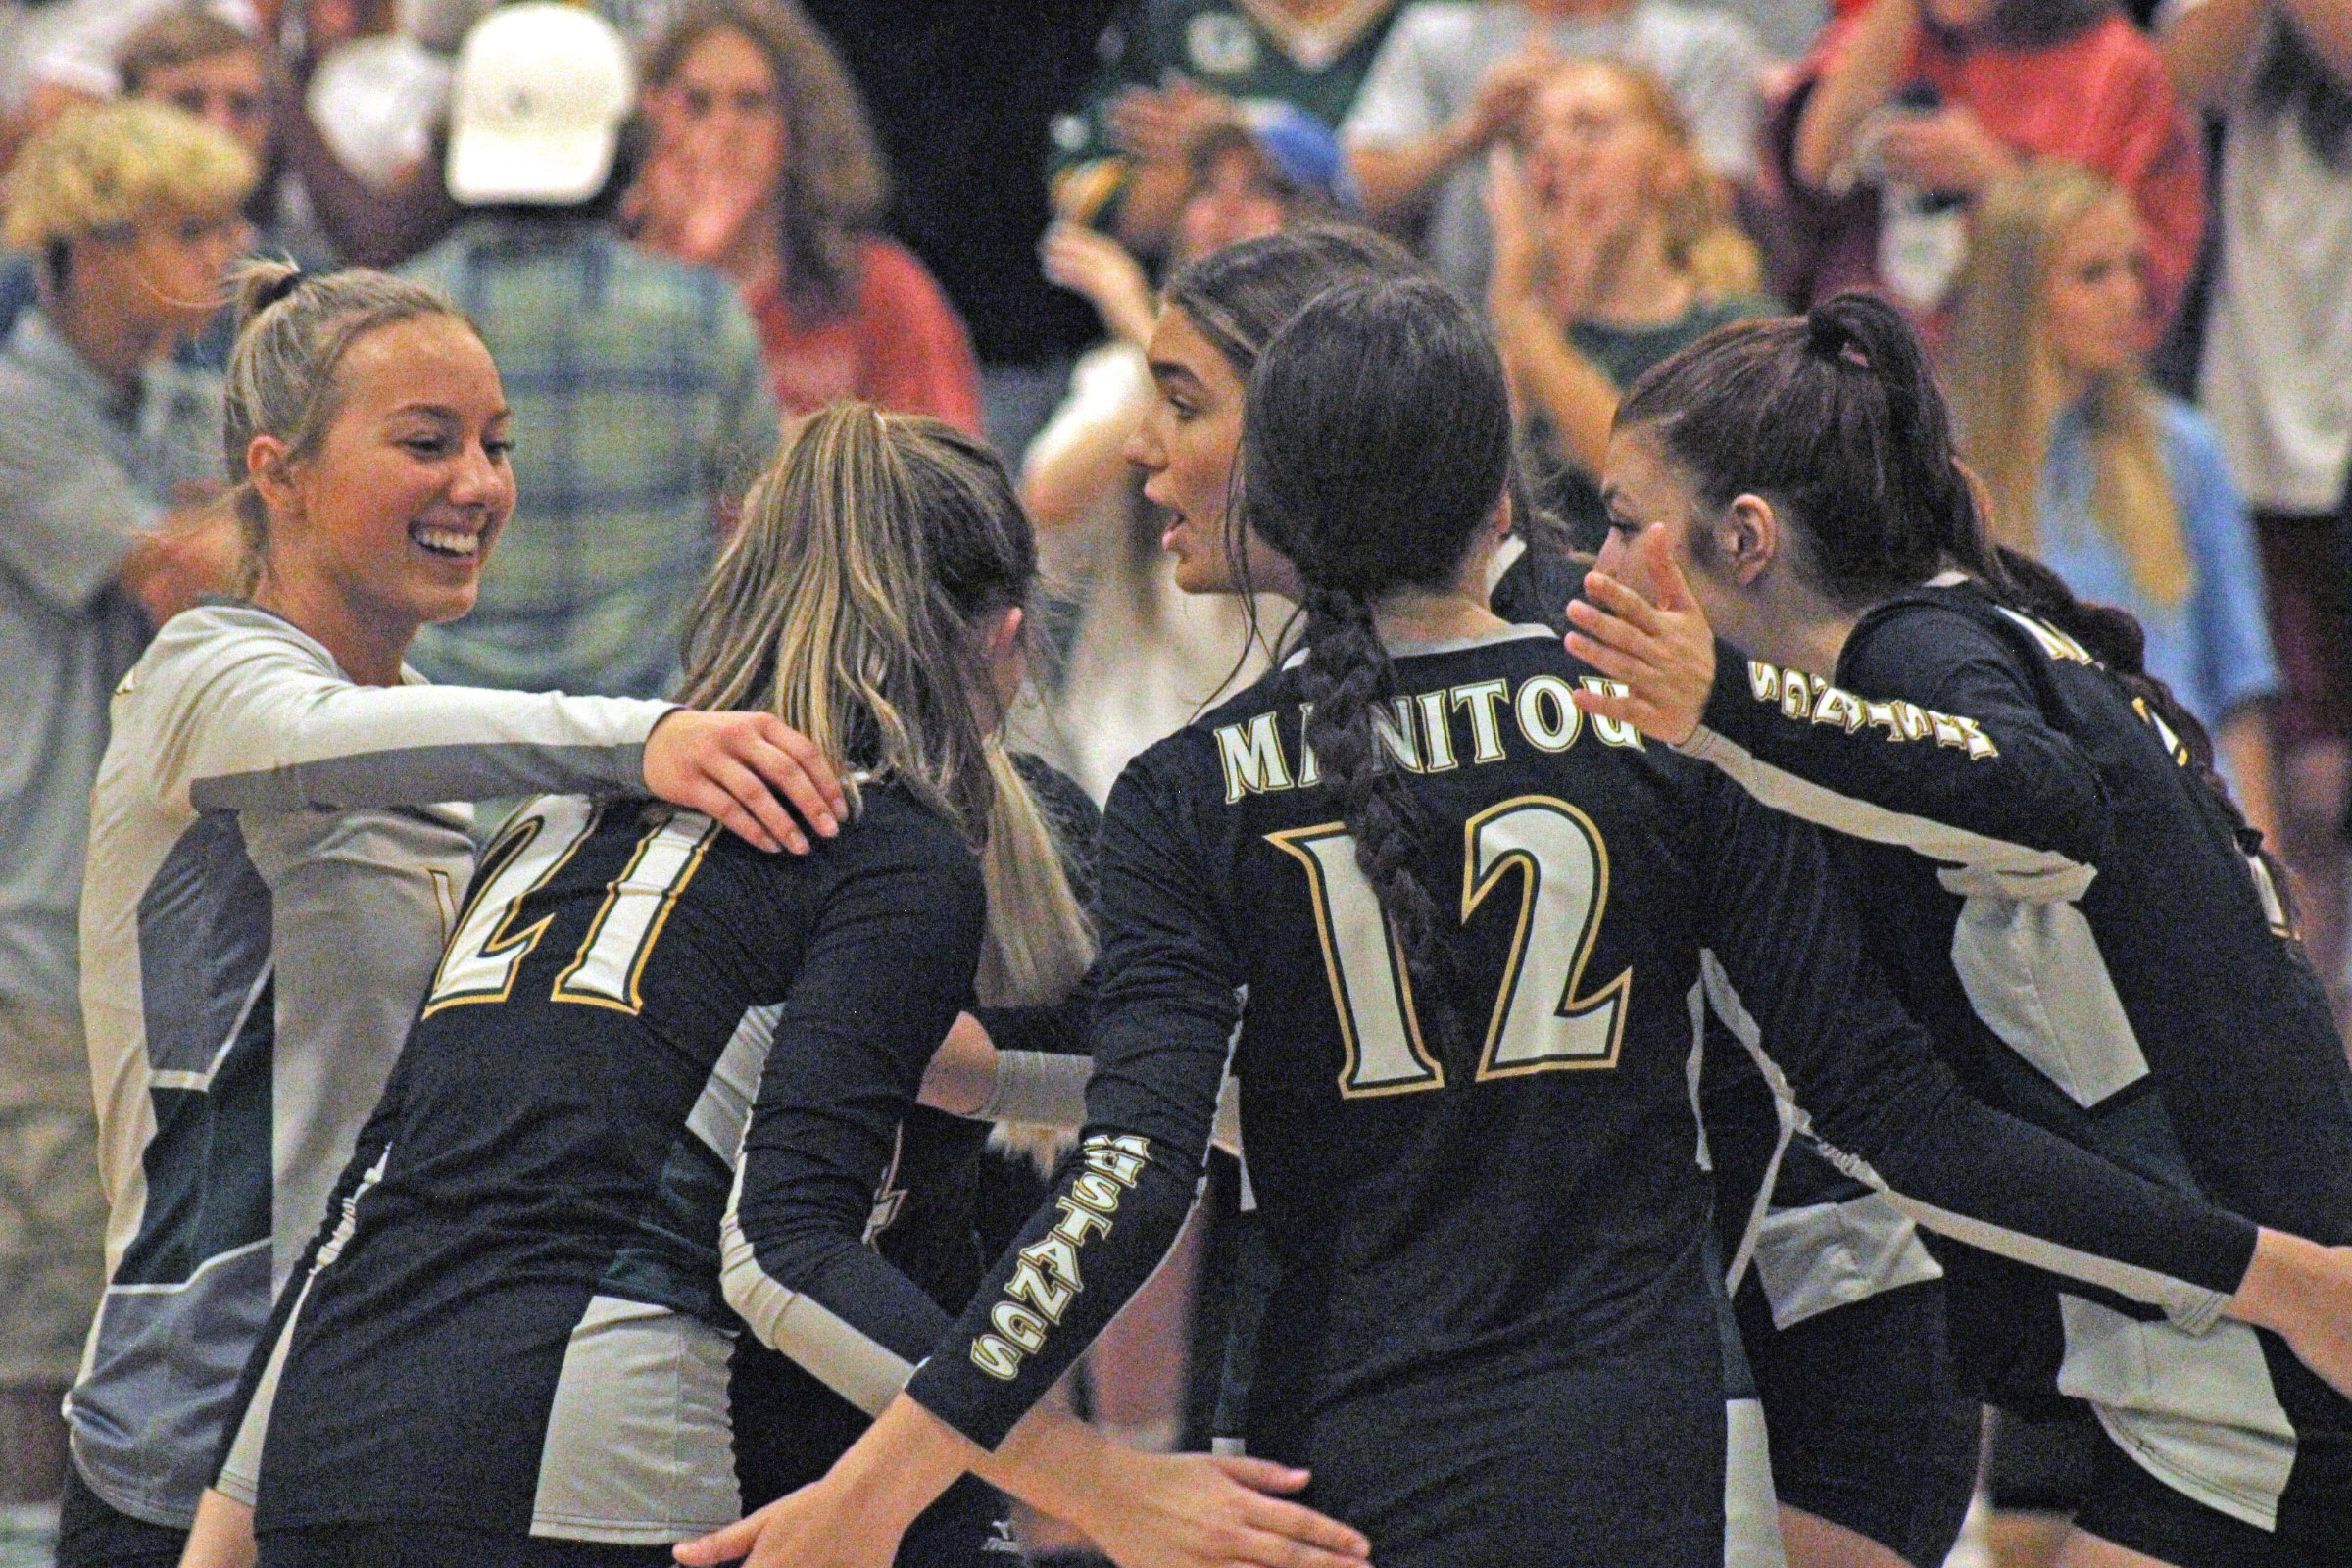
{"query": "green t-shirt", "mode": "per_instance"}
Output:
(1624, 353)
(1249, 50)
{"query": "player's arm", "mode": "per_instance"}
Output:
(262, 727)
(1940, 746)
(1887, 1112)
(1168, 1010)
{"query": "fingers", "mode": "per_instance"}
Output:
(1286, 1544)
(1614, 663)
(1666, 579)
(1619, 599)
(790, 762)
(1261, 1475)
(1297, 1522)
(720, 1545)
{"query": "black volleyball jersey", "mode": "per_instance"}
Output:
(1509, 1195)
(2061, 900)
(514, 1321)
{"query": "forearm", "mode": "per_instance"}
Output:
(320, 744)
(2244, 744)
(1574, 393)
(1394, 180)
(1863, 77)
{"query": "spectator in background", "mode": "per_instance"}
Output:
(2118, 489)
(1614, 250)
(1142, 655)
(1911, 109)
(2277, 380)
(1123, 159)
(105, 448)
(761, 166)
(640, 401)
(195, 59)
(1454, 80)
(962, 97)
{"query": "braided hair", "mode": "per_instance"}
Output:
(1376, 441)
(1834, 419)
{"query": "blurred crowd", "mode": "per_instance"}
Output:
(2127, 235)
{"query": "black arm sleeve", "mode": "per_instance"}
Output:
(1163, 1019)
(887, 968)
(1890, 1112)
(1971, 772)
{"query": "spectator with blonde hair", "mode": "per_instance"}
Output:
(2118, 489)
(763, 167)
(1613, 250)
(130, 213)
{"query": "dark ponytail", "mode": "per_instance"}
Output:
(1834, 417)
(1376, 442)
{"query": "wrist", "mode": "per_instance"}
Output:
(2276, 1280)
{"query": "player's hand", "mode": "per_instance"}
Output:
(1193, 1510)
(807, 1529)
(2302, 1292)
(1661, 647)
(733, 767)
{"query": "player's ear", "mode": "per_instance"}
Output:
(1748, 537)
(267, 462)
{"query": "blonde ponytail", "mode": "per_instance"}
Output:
(1039, 941)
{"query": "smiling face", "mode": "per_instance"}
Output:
(1236, 199)
(2095, 298)
(386, 526)
(1186, 448)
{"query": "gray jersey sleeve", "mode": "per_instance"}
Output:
(266, 723)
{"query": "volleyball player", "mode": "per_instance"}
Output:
(1468, 1111)
(512, 1346)
(269, 883)
(2046, 864)
(1816, 1230)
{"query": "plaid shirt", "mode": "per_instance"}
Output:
(641, 403)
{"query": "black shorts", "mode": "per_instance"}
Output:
(1867, 1427)
(92, 1533)
(2134, 1510)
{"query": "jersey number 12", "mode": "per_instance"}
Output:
(1541, 1023)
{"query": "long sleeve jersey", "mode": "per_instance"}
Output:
(1505, 1198)
(269, 886)
(2059, 898)
(515, 1319)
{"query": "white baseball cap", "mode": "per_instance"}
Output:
(536, 105)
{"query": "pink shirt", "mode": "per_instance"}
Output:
(2100, 99)
(901, 345)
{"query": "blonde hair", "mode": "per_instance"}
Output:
(102, 172)
(1703, 238)
(293, 330)
(851, 603)
(2004, 394)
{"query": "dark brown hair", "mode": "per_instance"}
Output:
(1376, 442)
